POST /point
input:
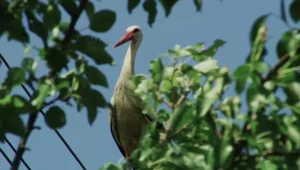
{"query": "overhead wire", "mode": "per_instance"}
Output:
(15, 151)
(43, 113)
(5, 156)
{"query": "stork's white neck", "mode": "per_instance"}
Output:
(128, 63)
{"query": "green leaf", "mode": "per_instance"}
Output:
(55, 117)
(294, 10)
(95, 76)
(260, 67)
(241, 74)
(168, 5)
(102, 20)
(181, 118)
(166, 86)
(89, 98)
(211, 51)
(11, 122)
(131, 4)
(198, 4)
(42, 94)
(70, 7)
(258, 38)
(37, 26)
(150, 7)
(109, 166)
(206, 66)
(20, 105)
(93, 48)
(293, 92)
(266, 165)
(90, 10)
(157, 69)
(15, 29)
(61, 83)
(288, 44)
(258, 28)
(52, 15)
(252, 94)
(56, 59)
(16, 76)
(29, 64)
(95, 99)
(282, 11)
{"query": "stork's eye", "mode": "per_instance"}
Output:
(136, 30)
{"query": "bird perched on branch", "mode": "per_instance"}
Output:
(126, 118)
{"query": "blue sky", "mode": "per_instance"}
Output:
(227, 20)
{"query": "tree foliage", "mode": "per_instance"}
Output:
(205, 128)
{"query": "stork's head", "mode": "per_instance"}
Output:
(133, 33)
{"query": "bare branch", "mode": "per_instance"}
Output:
(181, 99)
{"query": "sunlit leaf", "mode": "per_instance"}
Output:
(29, 64)
(241, 74)
(42, 93)
(181, 118)
(206, 66)
(21, 105)
(156, 69)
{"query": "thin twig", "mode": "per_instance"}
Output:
(71, 28)
(171, 105)
(5, 156)
(181, 99)
(52, 101)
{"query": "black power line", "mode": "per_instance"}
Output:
(14, 149)
(43, 113)
(5, 156)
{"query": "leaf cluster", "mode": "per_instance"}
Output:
(205, 126)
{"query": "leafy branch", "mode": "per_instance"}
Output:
(239, 145)
(33, 116)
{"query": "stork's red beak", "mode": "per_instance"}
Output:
(127, 37)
